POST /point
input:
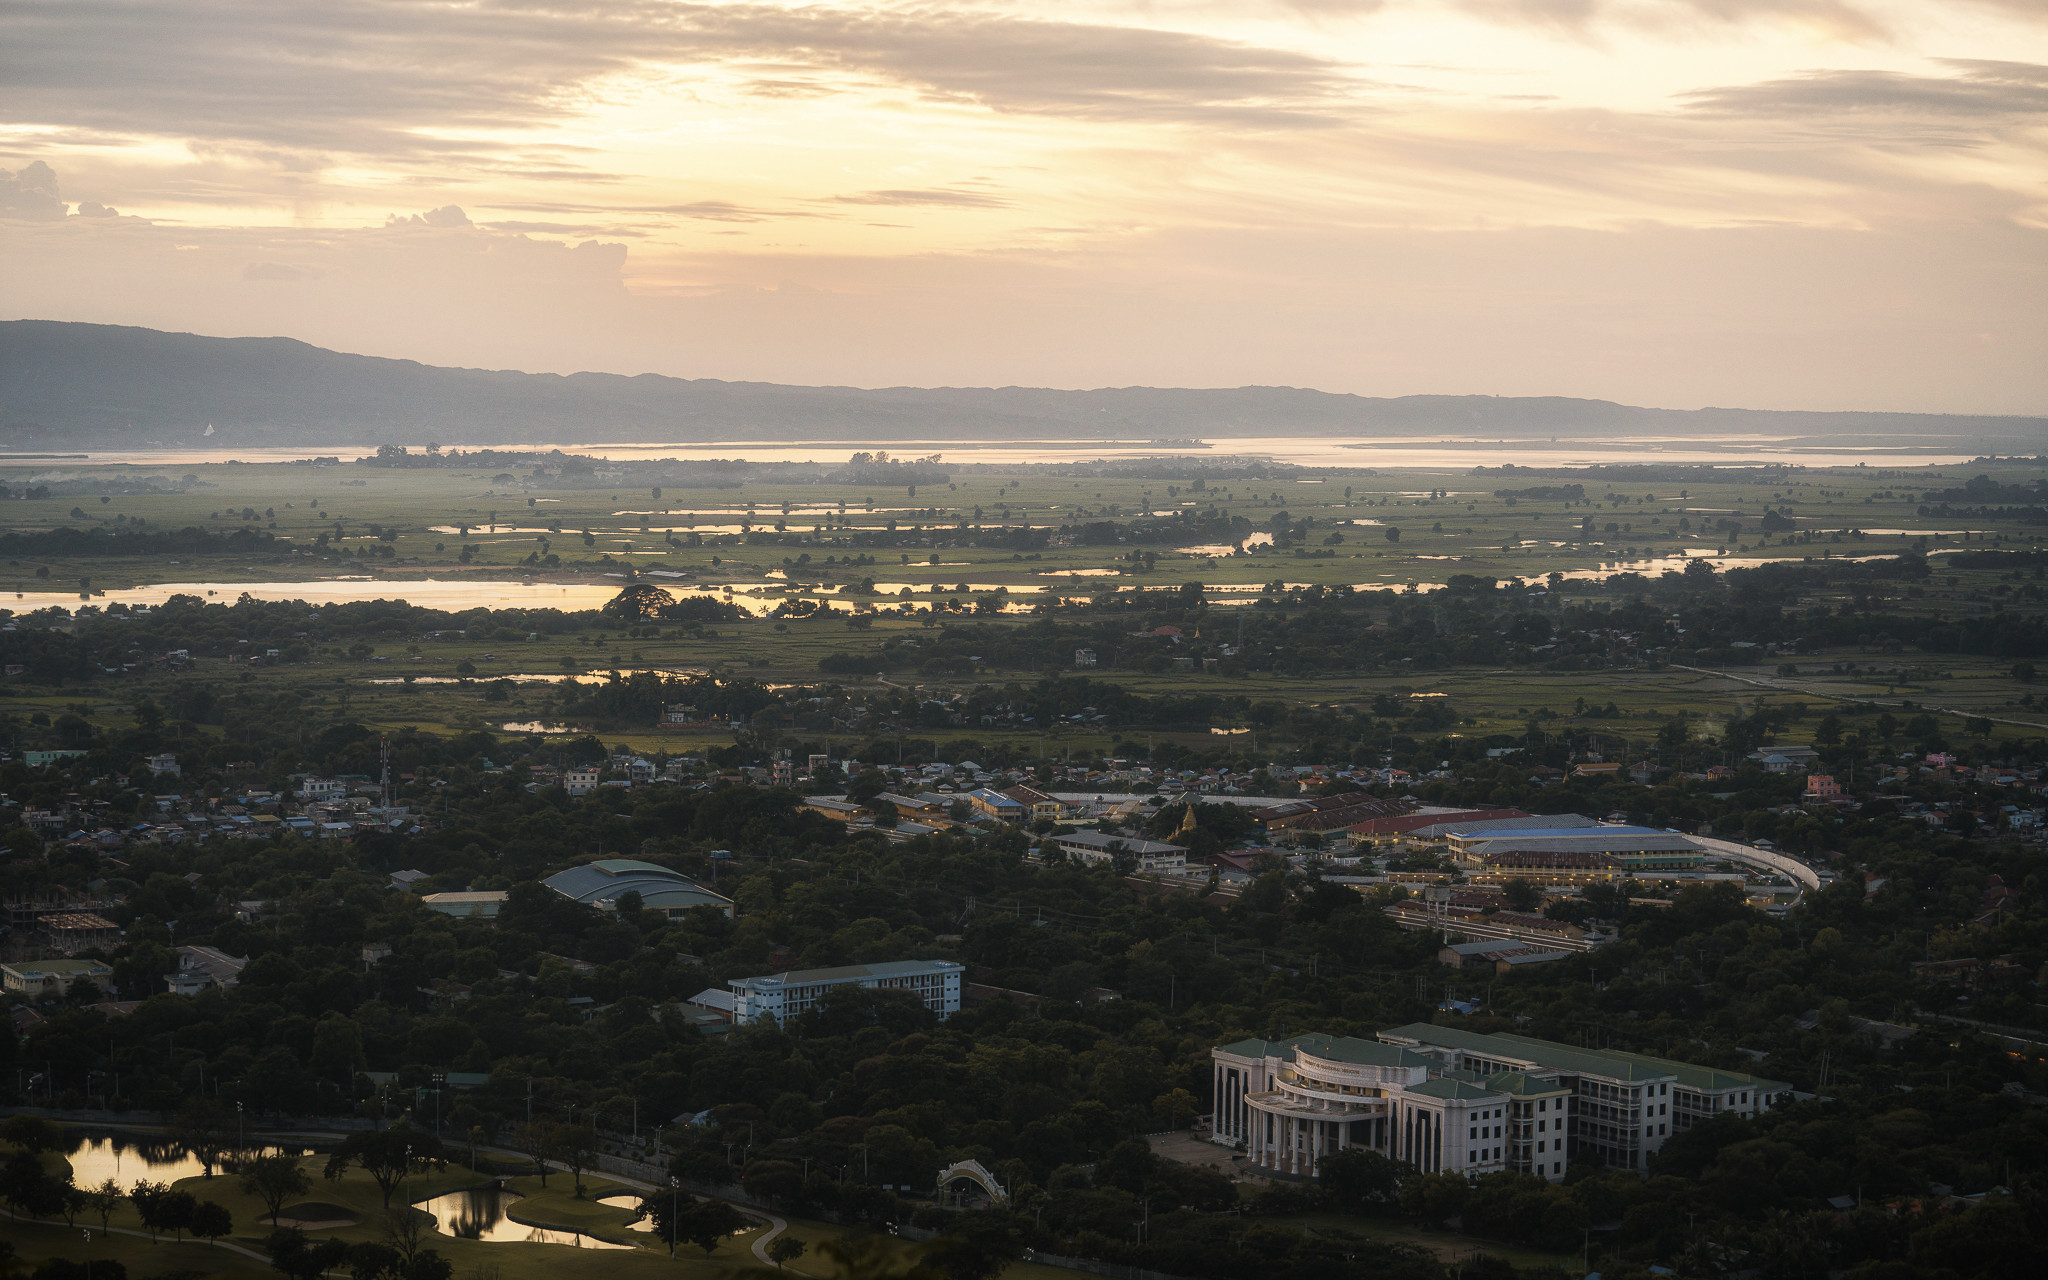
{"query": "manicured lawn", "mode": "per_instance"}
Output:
(557, 1205)
(36, 1242)
(356, 1193)
(1451, 1246)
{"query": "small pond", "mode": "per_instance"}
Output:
(630, 1202)
(479, 1213)
(128, 1158)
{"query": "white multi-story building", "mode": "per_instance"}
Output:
(1442, 1099)
(781, 996)
(1101, 847)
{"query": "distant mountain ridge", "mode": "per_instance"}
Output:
(104, 385)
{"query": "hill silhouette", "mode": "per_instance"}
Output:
(106, 385)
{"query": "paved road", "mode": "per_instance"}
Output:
(776, 1226)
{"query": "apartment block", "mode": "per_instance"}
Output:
(782, 996)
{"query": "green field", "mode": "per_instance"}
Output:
(1464, 531)
(1468, 529)
(514, 1260)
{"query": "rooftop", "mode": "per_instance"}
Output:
(1560, 833)
(1613, 1064)
(1351, 1049)
(851, 973)
(1522, 1085)
(1132, 844)
(1365, 1053)
(1445, 1087)
(659, 887)
(57, 966)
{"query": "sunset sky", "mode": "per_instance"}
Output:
(1769, 203)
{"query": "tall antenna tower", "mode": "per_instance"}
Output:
(384, 759)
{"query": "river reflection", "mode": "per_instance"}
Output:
(1458, 454)
(427, 593)
(479, 1213)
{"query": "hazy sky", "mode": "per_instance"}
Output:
(1770, 203)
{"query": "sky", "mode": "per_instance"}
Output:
(1802, 204)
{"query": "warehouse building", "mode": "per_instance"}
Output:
(1637, 849)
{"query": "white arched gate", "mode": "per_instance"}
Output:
(971, 1171)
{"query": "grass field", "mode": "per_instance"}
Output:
(1490, 700)
(514, 1260)
(1462, 529)
(1467, 528)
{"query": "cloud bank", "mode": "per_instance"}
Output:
(835, 191)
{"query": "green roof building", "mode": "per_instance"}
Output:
(1447, 1099)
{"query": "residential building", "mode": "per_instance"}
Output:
(713, 1000)
(475, 905)
(926, 806)
(580, 782)
(1821, 786)
(994, 804)
(601, 884)
(833, 808)
(203, 967)
(1326, 813)
(159, 765)
(1100, 846)
(787, 995)
(1446, 1100)
(1037, 803)
(1502, 955)
(1788, 759)
(51, 977)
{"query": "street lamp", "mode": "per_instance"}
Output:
(675, 1195)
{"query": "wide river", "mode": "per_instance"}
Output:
(1436, 452)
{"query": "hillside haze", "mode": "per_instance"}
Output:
(108, 385)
